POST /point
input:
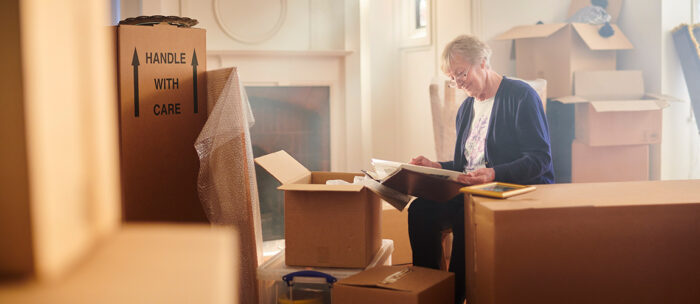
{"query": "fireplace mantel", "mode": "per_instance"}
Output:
(298, 68)
(277, 53)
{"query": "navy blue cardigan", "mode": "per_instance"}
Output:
(517, 140)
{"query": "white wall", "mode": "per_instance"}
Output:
(418, 66)
(656, 56)
(384, 79)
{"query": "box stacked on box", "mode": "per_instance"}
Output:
(555, 51)
(615, 124)
(559, 53)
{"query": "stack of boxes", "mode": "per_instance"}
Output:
(607, 112)
(617, 126)
(327, 227)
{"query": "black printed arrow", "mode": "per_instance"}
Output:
(194, 77)
(135, 63)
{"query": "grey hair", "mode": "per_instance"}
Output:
(468, 48)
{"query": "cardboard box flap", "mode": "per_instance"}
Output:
(283, 167)
(662, 97)
(613, 8)
(400, 278)
(321, 187)
(594, 41)
(609, 85)
(606, 195)
(571, 99)
(626, 105)
(531, 31)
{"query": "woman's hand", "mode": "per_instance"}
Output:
(425, 162)
(478, 176)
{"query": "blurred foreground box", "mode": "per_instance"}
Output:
(146, 264)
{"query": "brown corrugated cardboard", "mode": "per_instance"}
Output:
(162, 101)
(396, 284)
(612, 109)
(555, 51)
(325, 225)
(59, 171)
(146, 264)
(609, 164)
(632, 242)
(395, 227)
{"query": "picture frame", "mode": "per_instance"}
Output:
(416, 23)
(498, 189)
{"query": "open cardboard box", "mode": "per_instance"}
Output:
(613, 109)
(325, 225)
(410, 284)
(555, 51)
(626, 242)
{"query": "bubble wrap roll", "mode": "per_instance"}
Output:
(226, 182)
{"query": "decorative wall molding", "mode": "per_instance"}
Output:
(297, 68)
(476, 21)
(275, 53)
(262, 38)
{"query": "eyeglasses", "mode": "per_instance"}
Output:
(453, 80)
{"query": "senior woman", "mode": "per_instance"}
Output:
(502, 135)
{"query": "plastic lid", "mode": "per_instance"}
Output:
(275, 267)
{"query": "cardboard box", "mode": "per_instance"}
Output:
(612, 109)
(325, 225)
(609, 164)
(395, 227)
(410, 284)
(632, 242)
(273, 289)
(555, 51)
(146, 264)
(162, 102)
(59, 171)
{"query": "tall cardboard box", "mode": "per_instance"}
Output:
(630, 242)
(325, 225)
(555, 51)
(609, 164)
(396, 284)
(162, 109)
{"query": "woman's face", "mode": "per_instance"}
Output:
(467, 76)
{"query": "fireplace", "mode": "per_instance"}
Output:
(291, 118)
